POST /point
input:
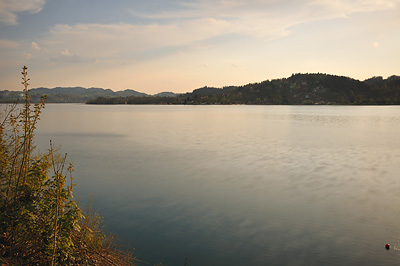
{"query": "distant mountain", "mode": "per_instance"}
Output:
(166, 94)
(299, 88)
(70, 90)
(128, 92)
(68, 94)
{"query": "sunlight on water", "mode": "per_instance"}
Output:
(239, 185)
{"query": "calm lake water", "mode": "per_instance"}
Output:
(238, 185)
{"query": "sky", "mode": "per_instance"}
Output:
(153, 46)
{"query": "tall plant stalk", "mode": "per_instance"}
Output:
(40, 223)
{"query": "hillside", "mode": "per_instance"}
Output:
(297, 89)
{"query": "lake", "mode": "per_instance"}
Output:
(238, 185)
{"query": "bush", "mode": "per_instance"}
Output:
(40, 223)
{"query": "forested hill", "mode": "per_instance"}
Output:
(297, 89)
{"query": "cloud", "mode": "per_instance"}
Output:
(66, 56)
(267, 18)
(10, 8)
(66, 53)
(126, 41)
(346, 7)
(35, 46)
(194, 26)
(9, 44)
(235, 65)
(197, 28)
(27, 56)
(256, 18)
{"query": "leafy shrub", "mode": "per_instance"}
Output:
(40, 223)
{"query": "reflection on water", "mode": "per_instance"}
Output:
(239, 185)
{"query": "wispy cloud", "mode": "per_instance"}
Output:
(195, 23)
(10, 8)
(346, 7)
(235, 65)
(66, 53)
(268, 18)
(35, 46)
(27, 56)
(66, 56)
(131, 41)
(9, 44)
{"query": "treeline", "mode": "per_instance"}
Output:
(136, 100)
(297, 89)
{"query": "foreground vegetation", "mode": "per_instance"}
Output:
(40, 223)
(297, 89)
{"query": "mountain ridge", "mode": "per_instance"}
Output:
(71, 94)
(308, 88)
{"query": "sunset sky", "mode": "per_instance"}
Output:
(176, 45)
